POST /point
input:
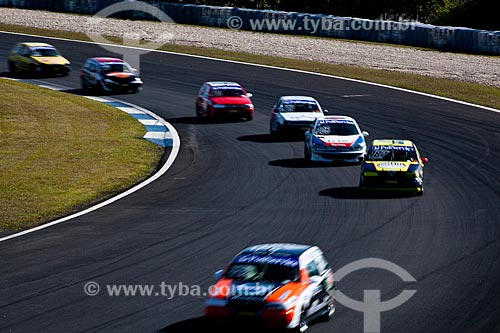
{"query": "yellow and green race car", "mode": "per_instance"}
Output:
(393, 165)
(37, 59)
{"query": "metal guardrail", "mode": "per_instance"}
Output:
(416, 34)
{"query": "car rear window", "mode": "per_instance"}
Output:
(227, 92)
(44, 51)
(392, 153)
(262, 273)
(300, 107)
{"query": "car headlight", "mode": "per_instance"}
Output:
(137, 80)
(249, 106)
(370, 174)
(319, 145)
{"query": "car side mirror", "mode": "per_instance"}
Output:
(249, 95)
(218, 275)
(365, 133)
(425, 160)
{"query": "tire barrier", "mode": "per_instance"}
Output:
(453, 39)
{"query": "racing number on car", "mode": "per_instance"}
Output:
(379, 154)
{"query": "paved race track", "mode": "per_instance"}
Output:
(232, 186)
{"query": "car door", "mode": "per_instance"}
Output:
(24, 59)
(275, 114)
(309, 135)
(93, 74)
(15, 55)
(203, 98)
(320, 296)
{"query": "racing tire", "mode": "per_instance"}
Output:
(302, 327)
(307, 155)
(272, 131)
(84, 85)
(32, 71)
(249, 117)
(275, 132)
(330, 310)
(12, 67)
(361, 183)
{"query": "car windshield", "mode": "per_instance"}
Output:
(44, 52)
(233, 92)
(336, 129)
(118, 67)
(262, 272)
(300, 107)
(401, 154)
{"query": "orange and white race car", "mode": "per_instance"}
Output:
(277, 285)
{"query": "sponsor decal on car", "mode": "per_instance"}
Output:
(255, 259)
(336, 121)
(392, 165)
(403, 148)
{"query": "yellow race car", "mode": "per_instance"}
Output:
(393, 165)
(37, 59)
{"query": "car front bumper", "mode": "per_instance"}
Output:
(53, 69)
(336, 156)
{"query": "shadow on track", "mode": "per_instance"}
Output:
(204, 121)
(8, 75)
(77, 91)
(200, 325)
(301, 163)
(268, 138)
(355, 192)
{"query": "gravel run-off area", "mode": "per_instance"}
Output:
(469, 68)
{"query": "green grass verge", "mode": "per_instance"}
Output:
(61, 153)
(469, 92)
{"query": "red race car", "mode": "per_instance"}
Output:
(224, 99)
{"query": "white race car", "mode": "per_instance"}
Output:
(294, 113)
(335, 139)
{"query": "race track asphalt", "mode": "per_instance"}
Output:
(233, 186)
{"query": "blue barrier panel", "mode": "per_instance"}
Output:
(314, 27)
(494, 42)
(421, 35)
(327, 28)
(463, 40)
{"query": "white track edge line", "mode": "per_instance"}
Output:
(266, 66)
(171, 159)
(174, 132)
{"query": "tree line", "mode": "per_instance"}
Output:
(477, 14)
